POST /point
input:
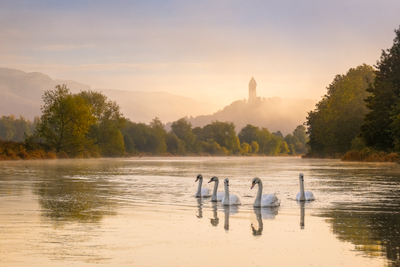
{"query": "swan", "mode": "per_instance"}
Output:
(304, 196)
(202, 192)
(265, 200)
(216, 196)
(228, 199)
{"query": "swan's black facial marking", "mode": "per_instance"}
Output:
(199, 176)
(226, 181)
(213, 179)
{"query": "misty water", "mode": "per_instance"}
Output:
(141, 212)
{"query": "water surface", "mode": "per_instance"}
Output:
(141, 212)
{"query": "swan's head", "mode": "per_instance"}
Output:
(199, 177)
(255, 181)
(226, 182)
(301, 177)
(214, 179)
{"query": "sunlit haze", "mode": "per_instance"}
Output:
(206, 50)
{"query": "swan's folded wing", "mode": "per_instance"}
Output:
(270, 200)
(234, 200)
(309, 195)
(205, 192)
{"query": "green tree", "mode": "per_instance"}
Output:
(139, 134)
(284, 148)
(182, 128)
(222, 133)
(174, 145)
(246, 148)
(338, 116)
(300, 133)
(106, 132)
(156, 141)
(249, 133)
(381, 128)
(254, 147)
(65, 122)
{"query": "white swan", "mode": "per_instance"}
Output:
(265, 200)
(202, 192)
(228, 199)
(216, 196)
(304, 196)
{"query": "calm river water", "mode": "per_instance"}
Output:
(142, 212)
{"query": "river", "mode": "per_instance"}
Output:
(142, 212)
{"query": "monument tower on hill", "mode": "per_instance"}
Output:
(252, 91)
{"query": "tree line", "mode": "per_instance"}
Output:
(88, 124)
(359, 117)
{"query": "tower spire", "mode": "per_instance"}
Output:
(252, 90)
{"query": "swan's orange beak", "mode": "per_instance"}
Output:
(197, 179)
(252, 185)
(210, 181)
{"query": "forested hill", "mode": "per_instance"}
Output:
(275, 113)
(21, 94)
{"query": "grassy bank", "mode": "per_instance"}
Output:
(370, 156)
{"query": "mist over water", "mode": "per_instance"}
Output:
(120, 211)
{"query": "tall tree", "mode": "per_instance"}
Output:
(156, 141)
(65, 122)
(338, 116)
(182, 128)
(381, 127)
(224, 134)
(106, 132)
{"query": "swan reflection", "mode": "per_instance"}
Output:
(215, 220)
(228, 210)
(200, 209)
(268, 213)
(257, 211)
(302, 214)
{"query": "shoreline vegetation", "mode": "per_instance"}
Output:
(12, 150)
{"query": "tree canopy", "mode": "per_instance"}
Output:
(381, 128)
(338, 116)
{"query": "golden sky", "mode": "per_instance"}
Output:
(207, 50)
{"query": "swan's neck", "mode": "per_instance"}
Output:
(214, 195)
(257, 202)
(198, 193)
(226, 198)
(302, 194)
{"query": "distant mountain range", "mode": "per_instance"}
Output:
(21, 94)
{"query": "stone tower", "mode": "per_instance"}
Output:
(252, 90)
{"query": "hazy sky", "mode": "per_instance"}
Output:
(207, 50)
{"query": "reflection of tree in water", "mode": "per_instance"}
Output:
(376, 233)
(75, 200)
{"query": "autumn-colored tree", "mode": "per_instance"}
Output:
(65, 122)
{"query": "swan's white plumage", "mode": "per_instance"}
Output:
(220, 196)
(308, 195)
(266, 200)
(270, 200)
(304, 195)
(229, 199)
(205, 192)
(202, 191)
(233, 200)
(216, 196)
